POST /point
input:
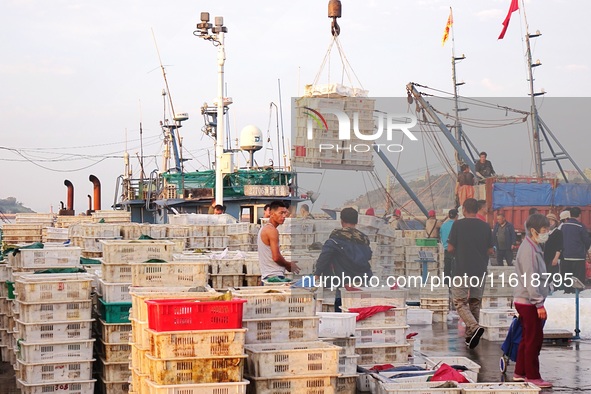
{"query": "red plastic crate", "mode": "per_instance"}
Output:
(187, 314)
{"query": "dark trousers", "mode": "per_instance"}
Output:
(528, 362)
(448, 262)
(504, 255)
(576, 269)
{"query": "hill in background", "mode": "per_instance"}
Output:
(10, 205)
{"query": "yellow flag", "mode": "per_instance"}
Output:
(450, 21)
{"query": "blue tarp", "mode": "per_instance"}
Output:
(572, 194)
(522, 194)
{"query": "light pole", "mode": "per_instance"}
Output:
(216, 36)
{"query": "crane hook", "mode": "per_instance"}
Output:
(335, 29)
(334, 12)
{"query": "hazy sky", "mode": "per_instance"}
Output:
(77, 76)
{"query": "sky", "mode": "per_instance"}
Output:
(78, 77)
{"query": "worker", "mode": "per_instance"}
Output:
(482, 210)
(305, 212)
(432, 225)
(483, 167)
(219, 209)
(398, 222)
(464, 185)
(211, 207)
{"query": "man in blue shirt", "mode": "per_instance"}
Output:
(448, 258)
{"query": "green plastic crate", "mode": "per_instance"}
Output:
(10, 287)
(426, 242)
(114, 312)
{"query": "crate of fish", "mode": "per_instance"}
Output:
(31, 312)
(54, 331)
(291, 359)
(53, 287)
(369, 296)
(48, 257)
(119, 251)
(205, 343)
(166, 274)
(280, 330)
(199, 388)
(55, 351)
(272, 303)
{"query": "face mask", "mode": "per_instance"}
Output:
(543, 237)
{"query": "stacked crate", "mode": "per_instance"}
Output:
(21, 233)
(435, 297)
(55, 235)
(227, 270)
(496, 323)
(241, 236)
(65, 221)
(496, 314)
(111, 216)
(252, 269)
(88, 236)
(54, 345)
(296, 234)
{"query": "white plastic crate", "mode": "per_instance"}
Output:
(294, 384)
(377, 354)
(346, 384)
(201, 388)
(435, 304)
(238, 228)
(497, 317)
(394, 317)
(205, 343)
(93, 244)
(263, 303)
(197, 242)
(419, 388)
(499, 388)
(347, 345)
(116, 273)
(53, 287)
(368, 296)
(68, 351)
(416, 316)
(227, 266)
(55, 372)
(348, 364)
(291, 359)
(495, 333)
(48, 257)
(217, 242)
(280, 330)
(176, 231)
(224, 282)
(119, 251)
(54, 331)
(391, 335)
(175, 273)
(472, 368)
(114, 292)
(67, 387)
(114, 333)
(114, 372)
(497, 302)
(114, 352)
(110, 387)
(336, 324)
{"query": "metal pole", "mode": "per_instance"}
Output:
(534, 113)
(219, 145)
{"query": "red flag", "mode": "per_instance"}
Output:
(514, 7)
(450, 21)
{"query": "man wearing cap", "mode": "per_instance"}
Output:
(397, 222)
(576, 244)
(432, 226)
(345, 254)
(504, 239)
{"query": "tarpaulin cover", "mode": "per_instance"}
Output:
(572, 194)
(364, 313)
(521, 194)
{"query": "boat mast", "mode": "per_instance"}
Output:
(458, 132)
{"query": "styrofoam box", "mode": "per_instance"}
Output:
(53, 287)
(203, 343)
(388, 334)
(472, 368)
(54, 331)
(201, 388)
(67, 387)
(347, 345)
(497, 317)
(499, 388)
(394, 317)
(294, 384)
(175, 273)
(114, 292)
(291, 359)
(116, 273)
(114, 333)
(55, 372)
(417, 388)
(279, 330)
(336, 324)
(368, 296)
(375, 354)
(348, 364)
(114, 372)
(416, 316)
(67, 351)
(495, 334)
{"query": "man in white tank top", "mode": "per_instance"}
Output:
(271, 262)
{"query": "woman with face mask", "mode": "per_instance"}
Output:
(529, 295)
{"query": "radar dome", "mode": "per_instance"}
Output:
(251, 138)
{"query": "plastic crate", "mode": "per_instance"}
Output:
(263, 303)
(30, 312)
(252, 280)
(55, 372)
(53, 287)
(281, 330)
(195, 370)
(377, 354)
(347, 345)
(394, 317)
(336, 324)
(184, 344)
(201, 388)
(175, 273)
(114, 332)
(415, 316)
(48, 257)
(346, 384)
(54, 331)
(419, 388)
(139, 382)
(497, 317)
(119, 251)
(435, 304)
(368, 296)
(65, 387)
(495, 333)
(497, 302)
(472, 368)
(140, 294)
(116, 273)
(294, 384)
(137, 357)
(224, 282)
(220, 242)
(109, 387)
(113, 352)
(139, 336)
(348, 364)
(114, 312)
(391, 335)
(238, 228)
(183, 315)
(227, 266)
(114, 372)
(499, 388)
(114, 292)
(68, 351)
(291, 359)
(197, 242)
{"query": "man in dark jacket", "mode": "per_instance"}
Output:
(484, 168)
(504, 239)
(576, 244)
(345, 254)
